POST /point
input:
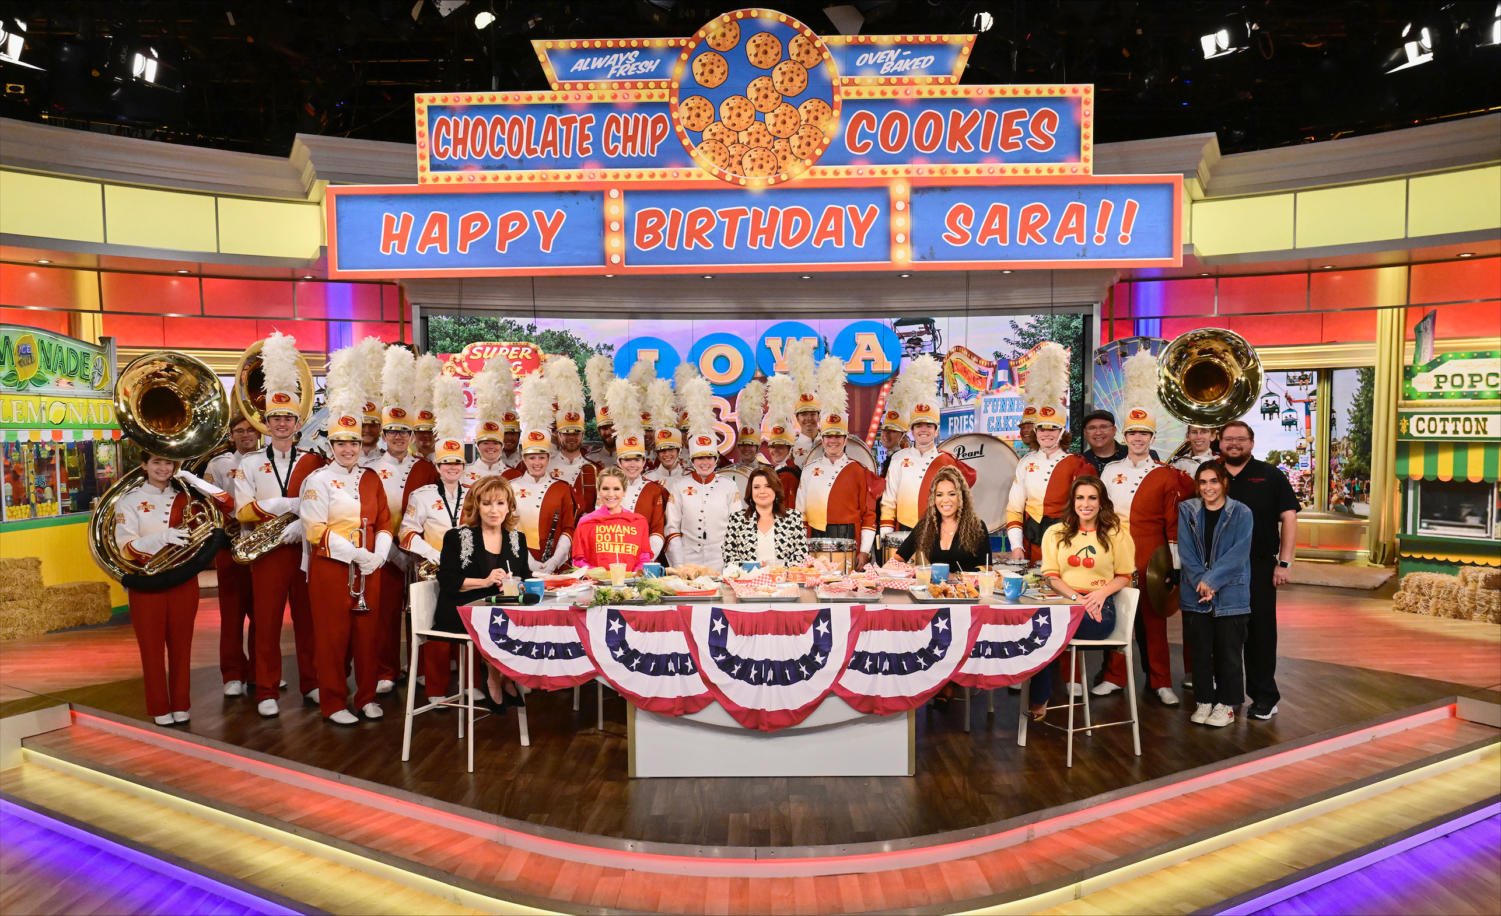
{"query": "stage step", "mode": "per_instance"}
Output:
(1047, 860)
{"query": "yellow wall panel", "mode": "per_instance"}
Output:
(64, 549)
(1349, 215)
(1243, 224)
(159, 219)
(270, 228)
(1455, 202)
(50, 208)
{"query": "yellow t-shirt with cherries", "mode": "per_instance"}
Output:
(1096, 566)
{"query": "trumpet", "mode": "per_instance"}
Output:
(357, 578)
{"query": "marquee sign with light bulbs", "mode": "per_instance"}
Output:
(754, 145)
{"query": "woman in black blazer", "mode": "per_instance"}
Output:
(766, 533)
(478, 556)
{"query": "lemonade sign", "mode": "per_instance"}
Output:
(48, 381)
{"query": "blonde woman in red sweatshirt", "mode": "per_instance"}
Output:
(612, 533)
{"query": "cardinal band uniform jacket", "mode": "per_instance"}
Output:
(1146, 499)
(1041, 487)
(579, 473)
(909, 479)
(838, 493)
(338, 501)
(545, 511)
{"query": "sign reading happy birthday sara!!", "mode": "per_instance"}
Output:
(754, 145)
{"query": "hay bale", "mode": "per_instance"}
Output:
(74, 604)
(19, 577)
(22, 617)
(1480, 577)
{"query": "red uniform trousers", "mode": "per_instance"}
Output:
(437, 655)
(343, 635)
(236, 609)
(393, 589)
(1151, 643)
(279, 581)
(163, 624)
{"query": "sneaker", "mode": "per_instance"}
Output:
(1201, 712)
(373, 711)
(311, 697)
(281, 685)
(344, 717)
(1263, 712)
(165, 719)
(1105, 689)
(1166, 695)
(384, 686)
(268, 709)
(1188, 682)
(180, 716)
(234, 688)
(1223, 715)
(1076, 690)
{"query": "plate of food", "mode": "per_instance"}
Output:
(766, 592)
(944, 593)
(692, 571)
(679, 588)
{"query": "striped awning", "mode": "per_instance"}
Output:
(1448, 461)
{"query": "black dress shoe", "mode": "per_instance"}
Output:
(513, 699)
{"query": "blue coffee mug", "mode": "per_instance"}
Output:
(534, 587)
(1013, 586)
(652, 570)
(940, 573)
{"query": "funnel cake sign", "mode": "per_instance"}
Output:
(754, 145)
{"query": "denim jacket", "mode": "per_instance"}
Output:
(1227, 570)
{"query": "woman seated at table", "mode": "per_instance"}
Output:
(766, 533)
(1214, 545)
(949, 531)
(1087, 557)
(612, 533)
(477, 558)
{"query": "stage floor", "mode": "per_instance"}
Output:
(573, 777)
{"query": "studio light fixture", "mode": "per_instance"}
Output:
(144, 65)
(483, 20)
(1232, 38)
(13, 43)
(1417, 49)
(983, 21)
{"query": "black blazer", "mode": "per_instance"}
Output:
(464, 557)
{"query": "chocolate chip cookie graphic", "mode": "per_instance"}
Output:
(783, 121)
(715, 152)
(763, 94)
(816, 112)
(718, 131)
(789, 77)
(756, 135)
(710, 69)
(805, 141)
(723, 35)
(737, 112)
(802, 49)
(759, 163)
(696, 112)
(763, 50)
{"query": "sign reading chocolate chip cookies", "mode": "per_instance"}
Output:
(754, 145)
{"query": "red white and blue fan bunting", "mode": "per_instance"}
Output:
(903, 656)
(538, 647)
(643, 654)
(1012, 644)
(770, 668)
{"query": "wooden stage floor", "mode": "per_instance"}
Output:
(573, 777)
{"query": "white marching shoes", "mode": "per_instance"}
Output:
(180, 716)
(373, 711)
(164, 719)
(1104, 689)
(344, 717)
(1166, 696)
(234, 688)
(268, 709)
(311, 696)
(384, 686)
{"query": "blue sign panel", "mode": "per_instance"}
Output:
(1001, 130)
(652, 61)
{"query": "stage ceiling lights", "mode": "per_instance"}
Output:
(13, 43)
(1416, 50)
(1231, 38)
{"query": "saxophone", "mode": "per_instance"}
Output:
(266, 537)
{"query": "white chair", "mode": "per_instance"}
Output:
(1121, 639)
(424, 600)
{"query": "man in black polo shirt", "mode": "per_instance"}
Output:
(1100, 447)
(1274, 535)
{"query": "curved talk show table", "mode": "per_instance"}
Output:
(804, 688)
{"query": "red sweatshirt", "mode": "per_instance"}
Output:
(603, 537)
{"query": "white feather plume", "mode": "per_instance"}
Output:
(641, 374)
(535, 408)
(798, 355)
(625, 406)
(494, 391)
(832, 395)
(698, 401)
(751, 404)
(659, 403)
(1047, 377)
(425, 371)
(369, 358)
(781, 399)
(599, 370)
(924, 372)
(448, 408)
(396, 378)
(344, 394)
(567, 388)
(1139, 386)
(681, 374)
(279, 363)
(682, 378)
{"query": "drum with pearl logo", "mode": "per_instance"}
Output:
(995, 466)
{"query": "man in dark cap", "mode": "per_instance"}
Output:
(1100, 447)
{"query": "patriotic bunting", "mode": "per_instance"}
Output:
(771, 667)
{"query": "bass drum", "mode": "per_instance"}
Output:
(736, 476)
(855, 448)
(995, 464)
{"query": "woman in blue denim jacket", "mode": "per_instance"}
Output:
(1214, 547)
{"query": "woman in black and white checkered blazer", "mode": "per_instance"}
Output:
(766, 533)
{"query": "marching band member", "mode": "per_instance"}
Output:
(893, 432)
(1200, 449)
(426, 371)
(368, 359)
(781, 436)
(599, 371)
(544, 505)
(347, 516)
(568, 463)
(148, 520)
(435, 508)
(1039, 493)
(909, 477)
(236, 597)
(699, 505)
(748, 409)
(400, 473)
(643, 496)
(495, 413)
(798, 354)
(267, 485)
(1145, 493)
(668, 442)
(834, 495)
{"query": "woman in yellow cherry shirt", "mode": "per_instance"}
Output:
(1087, 557)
